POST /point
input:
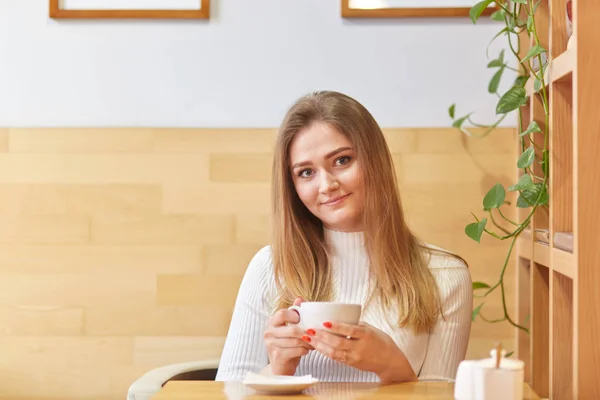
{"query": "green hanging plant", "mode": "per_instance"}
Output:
(532, 188)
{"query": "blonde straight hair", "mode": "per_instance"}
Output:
(398, 262)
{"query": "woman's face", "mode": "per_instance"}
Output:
(328, 176)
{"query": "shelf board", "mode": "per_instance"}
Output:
(560, 70)
(524, 246)
(563, 262)
(559, 260)
(541, 254)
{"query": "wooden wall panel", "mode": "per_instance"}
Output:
(44, 229)
(219, 198)
(122, 250)
(87, 259)
(240, 168)
(3, 140)
(84, 169)
(85, 199)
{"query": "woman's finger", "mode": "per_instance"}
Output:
(288, 343)
(283, 317)
(346, 330)
(298, 300)
(341, 355)
(290, 331)
(282, 332)
(282, 353)
(334, 341)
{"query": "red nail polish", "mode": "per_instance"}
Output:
(327, 324)
(311, 332)
(306, 338)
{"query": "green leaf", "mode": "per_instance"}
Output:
(475, 229)
(476, 11)
(511, 100)
(498, 62)
(532, 128)
(529, 24)
(522, 203)
(533, 52)
(525, 183)
(520, 1)
(494, 197)
(498, 15)
(505, 30)
(480, 285)
(458, 123)
(510, 353)
(528, 198)
(526, 158)
(535, 6)
(510, 24)
(475, 312)
(495, 81)
(539, 187)
(544, 199)
(451, 110)
(545, 162)
(521, 81)
(537, 85)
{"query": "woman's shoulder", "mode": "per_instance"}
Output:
(260, 271)
(262, 261)
(263, 254)
(452, 276)
(441, 258)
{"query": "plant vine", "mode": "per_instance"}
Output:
(532, 188)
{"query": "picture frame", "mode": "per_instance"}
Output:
(129, 9)
(410, 8)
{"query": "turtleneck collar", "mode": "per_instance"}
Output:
(345, 244)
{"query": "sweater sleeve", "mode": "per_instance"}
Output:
(449, 339)
(244, 348)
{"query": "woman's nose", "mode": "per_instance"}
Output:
(328, 183)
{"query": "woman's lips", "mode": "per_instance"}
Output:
(335, 200)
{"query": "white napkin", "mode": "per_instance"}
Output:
(277, 379)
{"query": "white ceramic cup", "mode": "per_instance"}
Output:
(314, 314)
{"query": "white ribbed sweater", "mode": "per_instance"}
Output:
(435, 355)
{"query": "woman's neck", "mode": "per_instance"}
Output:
(344, 244)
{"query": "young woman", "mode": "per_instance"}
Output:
(339, 234)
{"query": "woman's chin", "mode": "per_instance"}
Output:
(342, 222)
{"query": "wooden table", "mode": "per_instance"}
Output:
(205, 390)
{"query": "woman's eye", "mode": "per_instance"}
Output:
(305, 173)
(343, 160)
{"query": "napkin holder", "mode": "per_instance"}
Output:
(494, 378)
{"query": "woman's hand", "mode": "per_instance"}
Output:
(285, 343)
(363, 347)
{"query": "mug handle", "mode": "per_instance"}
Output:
(297, 309)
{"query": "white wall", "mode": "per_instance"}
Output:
(241, 69)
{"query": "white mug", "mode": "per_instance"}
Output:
(314, 314)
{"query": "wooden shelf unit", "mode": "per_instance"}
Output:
(558, 289)
(559, 70)
(541, 253)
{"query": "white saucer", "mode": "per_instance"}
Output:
(285, 386)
